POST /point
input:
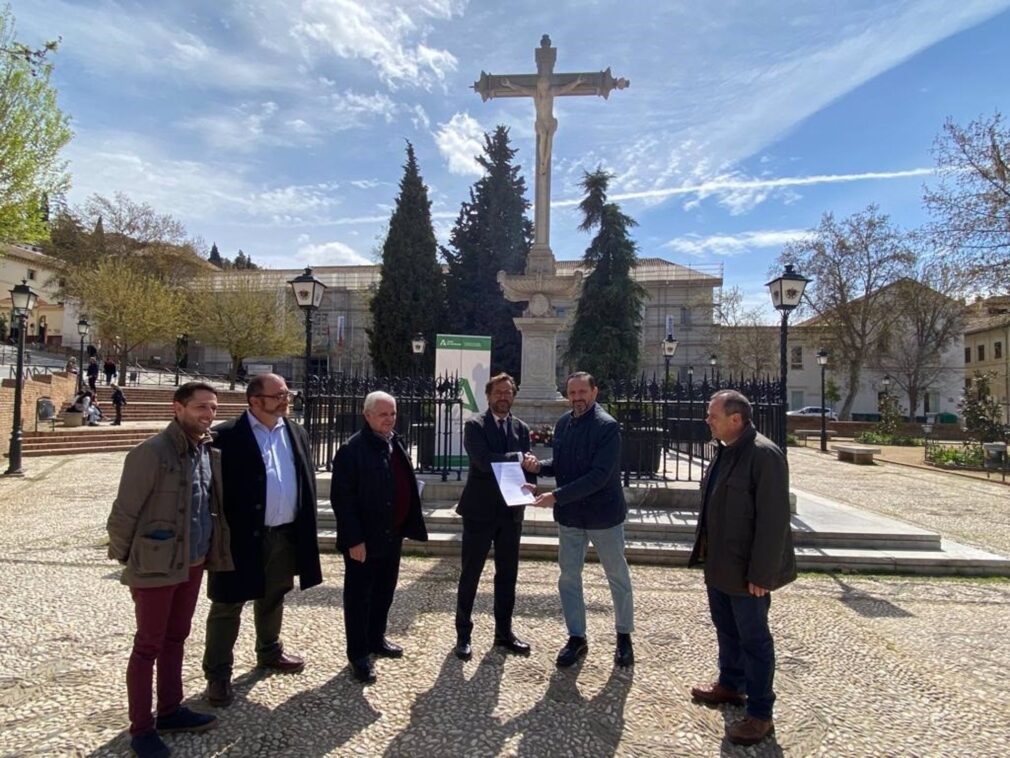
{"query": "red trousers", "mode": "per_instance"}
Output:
(164, 615)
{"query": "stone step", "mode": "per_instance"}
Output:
(952, 559)
(110, 448)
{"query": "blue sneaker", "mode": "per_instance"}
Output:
(149, 745)
(182, 719)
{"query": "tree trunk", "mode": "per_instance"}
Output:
(236, 361)
(850, 393)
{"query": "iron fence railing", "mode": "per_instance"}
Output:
(663, 431)
(428, 413)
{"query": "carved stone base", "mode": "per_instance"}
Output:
(539, 412)
(539, 357)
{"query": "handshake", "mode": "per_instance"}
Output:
(532, 465)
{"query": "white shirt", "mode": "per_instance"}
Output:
(282, 476)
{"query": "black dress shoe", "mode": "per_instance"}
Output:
(624, 655)
(362, 671)
(512, 643)
(220, 693)
(576, 648)
(386, 649)
(463, 651)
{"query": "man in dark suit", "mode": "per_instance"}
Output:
(494, 436)
(270, 504)
(375, 499)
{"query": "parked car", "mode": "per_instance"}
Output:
(813, 410)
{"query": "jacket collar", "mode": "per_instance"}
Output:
(746, 438)
(377, 440)
(180, 439)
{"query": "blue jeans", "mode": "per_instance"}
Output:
(746, 652)
(609, 544)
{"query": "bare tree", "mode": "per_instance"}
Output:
(851, 263)
(747, 346)
(971, 201)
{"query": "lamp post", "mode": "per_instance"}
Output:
(308, 293)
(181, 348)
(822, 361)
(669, 349)
(418, 344)
(23, 299)
(83, 325)
(713, 361)
(786, 292)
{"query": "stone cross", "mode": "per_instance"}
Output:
(543, 87)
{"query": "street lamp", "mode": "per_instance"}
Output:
(786, 292)
(713, 361)
(418, 344)
(822, 361)
(669, 349)
(308, 293)
(23, 300)
(82, 329)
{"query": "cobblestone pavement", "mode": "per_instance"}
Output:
(973, 511)
(868, 666)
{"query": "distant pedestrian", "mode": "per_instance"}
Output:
(71, 365)
(93, 374)
(109, 368)
(167, 525)
(118, 400)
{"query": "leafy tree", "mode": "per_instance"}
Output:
(971, 201)
(851, 262)
(131, 306)
(410, 295)
(246, 320)
(491, 234)
(215, 256)
(605, 337)
(243, 262)
(983, 414)
(33, 130)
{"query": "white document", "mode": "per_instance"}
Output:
(511, 478)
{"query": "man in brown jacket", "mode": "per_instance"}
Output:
(166, 527)
(745, 542)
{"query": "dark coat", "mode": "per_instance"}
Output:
(747, 536)
(587, 466)
(362, 494)
(481, 499)
(245, 493)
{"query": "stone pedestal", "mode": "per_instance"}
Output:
(539, 357)
(539, 412)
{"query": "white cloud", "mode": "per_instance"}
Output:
(349, 110)
(330, 254)
(388, 35)
(734, 244)
(459, 140)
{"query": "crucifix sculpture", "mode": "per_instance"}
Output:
(539, 286)
(543, 87)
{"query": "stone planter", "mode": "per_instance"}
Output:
(641, 450)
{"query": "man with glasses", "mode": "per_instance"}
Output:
(270, 503)
(494, 436)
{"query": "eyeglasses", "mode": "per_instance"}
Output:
(279, 397)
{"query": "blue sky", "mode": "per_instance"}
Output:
(277, 126)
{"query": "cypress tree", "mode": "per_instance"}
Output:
(491, 234)
(410, 296)
(215, 256)
(605, 336)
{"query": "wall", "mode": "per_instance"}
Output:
(59, 387)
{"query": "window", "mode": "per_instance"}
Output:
(796, 357)
(967, 355)
(31, 275)
(981, 352)
(997, 350)
(796, 399)
(685, 315)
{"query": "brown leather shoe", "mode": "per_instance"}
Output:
(750, 731)
(285, 663)
(220, 693)
(716, 694)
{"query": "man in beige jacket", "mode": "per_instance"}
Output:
(166, 527)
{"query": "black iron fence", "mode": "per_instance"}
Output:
(427, 416)
(663, 430)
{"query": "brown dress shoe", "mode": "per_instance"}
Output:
(220, 693)
(750, 731)
(716, 694)
(285, 663)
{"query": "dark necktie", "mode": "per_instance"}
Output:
(504, 433)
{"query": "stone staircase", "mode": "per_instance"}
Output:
(155, 403)
(660, 530)
(96, 439)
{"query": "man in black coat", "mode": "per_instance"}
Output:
(745, 541)
(269, 488)
(494, 436)
(377, 504)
